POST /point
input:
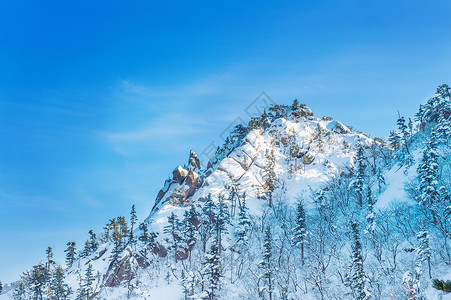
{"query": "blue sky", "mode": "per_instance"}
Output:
(99, 101)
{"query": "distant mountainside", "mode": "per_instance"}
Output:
(292, 206)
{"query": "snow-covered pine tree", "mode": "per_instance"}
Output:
(93, 244)
(117, 240)
(423, 251)
(266, 265)
(270, 176)
(86, 249)
(300, 229)
(147, 238)
(443, 128)
(184, 282)
(295, 105)
(358, 277)
(244, 223)
(403, 134)
(189, 230)
(144, 237)
(380, 180)
(394, 140)
(370, 217)
(81, 292)
(60, 289)
(88, 284)
(20, 292)
(38, 280)
(403, 140)
(422, 256)
(222, 220)
(123, 227)
(133, 220)
(174, 231)
(412, 279)
(128, 276)
(359, 181)
(233, 194)
(444, 91)
(49, 254)
(212, 271)
(207, 221)
(428, 175)
(70, 253)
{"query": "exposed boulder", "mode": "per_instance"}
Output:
(193, 161)
(338, 127)
(191, 179)
(160, 250)
(118, 275)
(179, 174)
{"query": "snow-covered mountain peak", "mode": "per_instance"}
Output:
(301, 150)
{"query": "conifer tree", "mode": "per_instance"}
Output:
(189, 229)
(129, 275)
(49, 254)
(38, 279)
(423, 252)
(359, 181)
(185, 284)
(428, 173)
(123, 226)
(380, 180)
(133, 220)
(222, 219)
(60, 289)
(266, 264)
(107, 230)
(70, 253)
(86, 250)
(88, 284)
(81, 291)
(207, 221)
(1, 288)
(358, 276)
(244, 223)
(144, 237)
(444, 91)
(93, 244)
(117, 239)
(173, 230)
(370, 215)
(394, 140)
(295, 105)
(233, 194)
(300, 229)
(270, 175)
(213, 271)
(404, 136)
(443, 128)
(20, 291)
